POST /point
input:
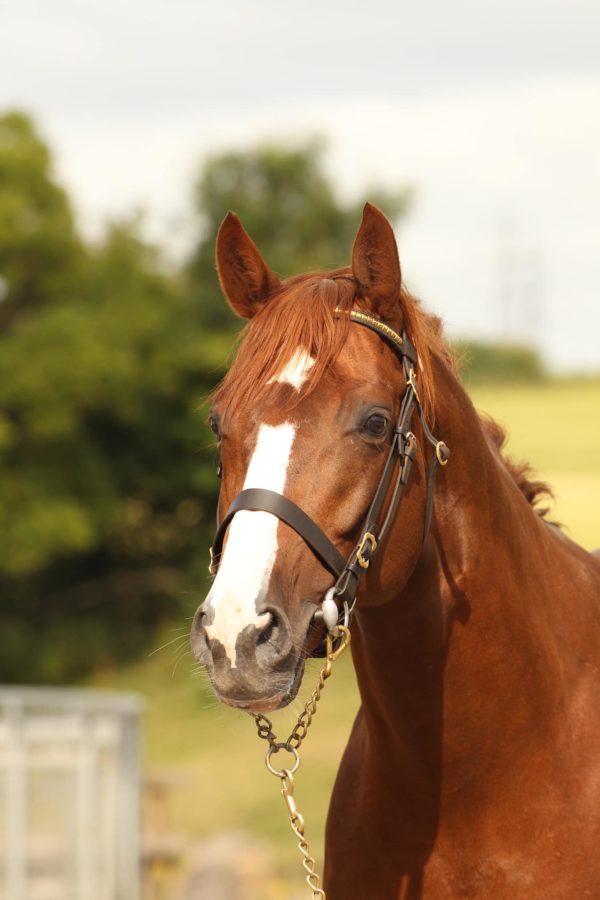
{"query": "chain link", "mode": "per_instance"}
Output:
(297, 825)
(264, 727)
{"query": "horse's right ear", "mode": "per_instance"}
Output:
(246, 279)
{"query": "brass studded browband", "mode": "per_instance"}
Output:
(400, 344)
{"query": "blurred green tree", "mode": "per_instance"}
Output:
(40, 254)
(287, 204)
(102, 483)
(484, 362)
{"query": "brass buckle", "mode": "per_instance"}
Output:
(362, 561)
(412, 383)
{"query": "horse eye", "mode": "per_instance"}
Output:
(376, 425)
(213, 426)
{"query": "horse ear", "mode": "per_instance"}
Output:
(246, 280)
(375, 263)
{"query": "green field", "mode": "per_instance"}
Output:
(219, 760)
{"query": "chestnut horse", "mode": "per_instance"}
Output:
(473, 766)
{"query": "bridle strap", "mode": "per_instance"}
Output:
(403, 451)
(399, 343)
(260, 499)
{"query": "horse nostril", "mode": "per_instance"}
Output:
(201, 644)
(273, 641)
(269, 630)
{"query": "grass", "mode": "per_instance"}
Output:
(219, 759)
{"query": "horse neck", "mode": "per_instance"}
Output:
(470, 633)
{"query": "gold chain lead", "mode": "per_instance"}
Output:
(292, 745)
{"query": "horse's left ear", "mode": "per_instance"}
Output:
(246, 279)
(375, 263)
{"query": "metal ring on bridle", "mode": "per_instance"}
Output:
(275, 748)
(438, 452)
(329, 611)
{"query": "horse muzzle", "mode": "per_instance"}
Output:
(262, 669)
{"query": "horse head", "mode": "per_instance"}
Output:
(307, 412)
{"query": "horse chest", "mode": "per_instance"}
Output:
(382, 844)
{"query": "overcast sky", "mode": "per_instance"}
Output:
(490, 111)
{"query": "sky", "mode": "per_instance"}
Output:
(489, 112)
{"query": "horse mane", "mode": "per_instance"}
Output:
(522, 473)
(300, 314)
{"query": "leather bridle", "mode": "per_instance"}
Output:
(340, 600)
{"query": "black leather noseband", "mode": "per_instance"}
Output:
(272, 502)
(403, 451)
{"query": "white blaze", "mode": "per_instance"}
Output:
(247, 563)
(295, 371)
